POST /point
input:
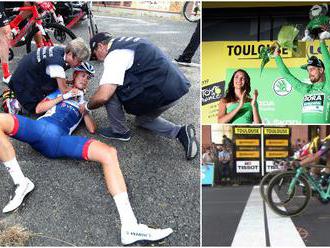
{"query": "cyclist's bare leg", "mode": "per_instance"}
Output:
(25, 15)
(5, 37)
(7, 151)
(107, 156)
(114, 179)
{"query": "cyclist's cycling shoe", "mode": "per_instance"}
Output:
(139, 232)
(19, 193)
(7, 79)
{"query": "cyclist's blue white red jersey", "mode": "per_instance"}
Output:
(65, 114)
(50, 134)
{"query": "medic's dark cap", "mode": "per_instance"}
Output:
(96, 39)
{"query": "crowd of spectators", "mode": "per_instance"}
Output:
(221, 155)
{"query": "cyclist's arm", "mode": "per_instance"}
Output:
(296, 83)
(309, 160)
(90, 123)
(326, 60)
(53, 99)
(48, 102)
(316, 156)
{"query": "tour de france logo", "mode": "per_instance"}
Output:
(212, 93)
(281, 87)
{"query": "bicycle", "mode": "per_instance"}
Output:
(191, 11)
(289, 192)
(85, 10)
(51, 32)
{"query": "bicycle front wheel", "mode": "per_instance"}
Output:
(286, 196)
(191, 11)
(264, 184)
(56, 34)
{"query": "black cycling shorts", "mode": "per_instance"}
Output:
(3, 18)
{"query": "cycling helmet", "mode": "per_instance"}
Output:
(85, 66)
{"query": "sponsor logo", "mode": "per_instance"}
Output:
(143, 235)
(281, 87)
(316, 99)
(247, 166)
(276, 131)
(247, 130)
(213, 93)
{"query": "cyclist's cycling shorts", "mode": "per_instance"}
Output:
(3, 18)
(49, 139)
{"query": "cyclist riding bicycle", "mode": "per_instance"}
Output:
(51, 136)
(321, 155)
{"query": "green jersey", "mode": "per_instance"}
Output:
(316, 101)
(244, 115)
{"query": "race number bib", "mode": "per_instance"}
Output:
(313, 103)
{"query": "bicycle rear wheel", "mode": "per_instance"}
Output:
(191, 11)
(287, 203)
(58, 34)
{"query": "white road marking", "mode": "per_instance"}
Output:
(125, 18)
(282, 231)
(251, 228)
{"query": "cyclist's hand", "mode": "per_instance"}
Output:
(277, 51)
(72, 93)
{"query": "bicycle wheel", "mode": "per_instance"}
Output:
(265, 181)
(93, 29)
(58, 34)
(191, 11)
(283, 202)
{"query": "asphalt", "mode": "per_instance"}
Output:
(223, 208)
(70, 205)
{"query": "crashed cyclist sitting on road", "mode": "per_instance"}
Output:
(43, 71)
(315, 106)
(51, 136)
(138, 76)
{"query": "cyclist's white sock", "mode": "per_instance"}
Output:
(124, 208)
(15, 171)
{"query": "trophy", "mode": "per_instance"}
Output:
(287, 38)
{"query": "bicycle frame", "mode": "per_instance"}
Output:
(302, 172)
(33, 20)
(75, 19)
